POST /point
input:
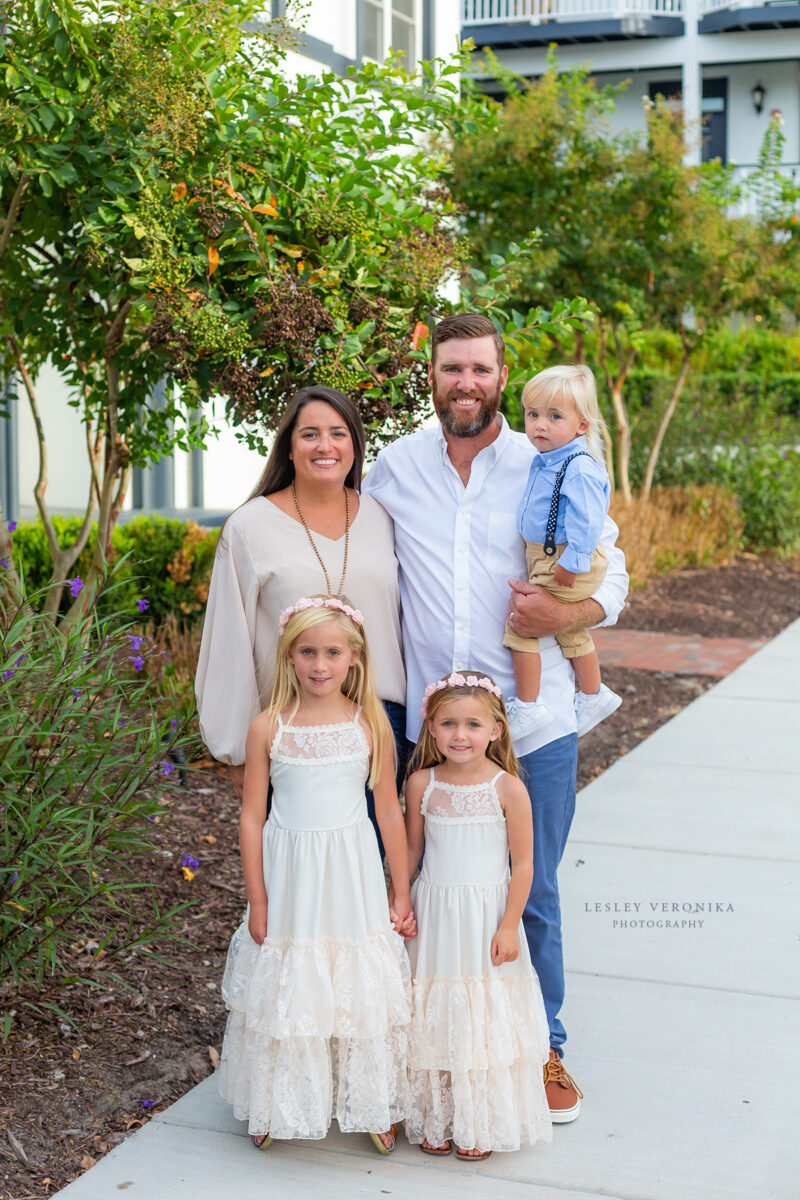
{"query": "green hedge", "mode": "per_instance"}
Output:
(738, 430)
(169, 562)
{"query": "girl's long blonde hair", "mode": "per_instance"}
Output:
(574, 382)
(427, 754)
(359, 684)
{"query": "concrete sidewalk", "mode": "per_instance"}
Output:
(679, 895)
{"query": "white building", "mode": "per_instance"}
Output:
(731, 62)
(209, 484)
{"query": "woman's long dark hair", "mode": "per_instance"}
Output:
(279, 470)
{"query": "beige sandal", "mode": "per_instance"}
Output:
(465, 1156)
(448, 1149)
(380, 1146)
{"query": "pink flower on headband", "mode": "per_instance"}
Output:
(320, 602)
(454, 681)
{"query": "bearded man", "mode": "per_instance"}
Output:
(453, 493)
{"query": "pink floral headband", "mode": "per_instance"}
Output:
(453, 681)
(320, 602)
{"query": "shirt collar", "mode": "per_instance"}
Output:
(492, 451)
(552, 458)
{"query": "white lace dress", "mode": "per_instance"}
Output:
(479, 1034)
(318, 1014)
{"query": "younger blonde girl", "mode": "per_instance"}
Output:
(479, 1034)
(316, 981)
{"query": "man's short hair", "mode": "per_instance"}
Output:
(467, 325)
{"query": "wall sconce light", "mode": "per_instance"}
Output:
(758, 93)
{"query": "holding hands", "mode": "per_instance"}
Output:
(402, 915)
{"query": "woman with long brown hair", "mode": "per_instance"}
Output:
(305, 529)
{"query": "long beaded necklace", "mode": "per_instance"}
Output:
(316, 551)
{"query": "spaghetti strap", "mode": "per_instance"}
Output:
(494, 779)
(423, 804)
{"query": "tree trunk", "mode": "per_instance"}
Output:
(615, 381)
(663, 424)
(63, 559)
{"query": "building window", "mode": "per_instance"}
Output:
(372, 15)
(714, 109)
(389, 24)
(403, 31)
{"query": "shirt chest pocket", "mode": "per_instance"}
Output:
(505, 549)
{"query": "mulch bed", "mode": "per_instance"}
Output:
(72, 1089)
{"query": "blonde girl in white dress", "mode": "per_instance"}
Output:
(479, 1034)
(317, 980)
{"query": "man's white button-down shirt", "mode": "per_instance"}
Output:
(457, 548)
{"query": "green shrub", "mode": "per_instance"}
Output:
(169, 562)
(86, 767)
(766, 478)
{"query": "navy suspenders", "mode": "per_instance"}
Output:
(550, 532)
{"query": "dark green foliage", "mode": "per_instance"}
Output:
(167, 562)
(86, 770)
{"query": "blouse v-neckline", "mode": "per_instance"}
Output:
(315, 533)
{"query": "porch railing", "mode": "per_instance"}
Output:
(534, 12)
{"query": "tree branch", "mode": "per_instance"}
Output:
(13, 209)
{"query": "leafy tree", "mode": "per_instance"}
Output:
(175, 208)
(650, 241)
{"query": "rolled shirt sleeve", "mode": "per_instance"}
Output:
(614, 588)
(226, 684)
(585, 493)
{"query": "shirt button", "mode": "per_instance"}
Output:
(459, 626)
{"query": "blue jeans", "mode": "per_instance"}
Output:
(397, 719)
(550, 775)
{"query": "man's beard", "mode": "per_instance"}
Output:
(449, 418)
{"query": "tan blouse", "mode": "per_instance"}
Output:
(264, 564)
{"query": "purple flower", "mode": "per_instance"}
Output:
(7, 675)
(137, 660)
(3, 563)
(76, 692)
(146, 1103)
(173, 724)
(121, 723)
(142, 605)
(190, 862)
(166, 768)
(12, 525)
(75, 585)
(14, 878)
(135, 642)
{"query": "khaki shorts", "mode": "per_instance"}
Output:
(540, 572)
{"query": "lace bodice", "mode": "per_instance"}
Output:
(343, 741)
(466, 841)
(472, 802)
(318, 774)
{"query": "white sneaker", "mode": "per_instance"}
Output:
(592, 709)
(526, 717)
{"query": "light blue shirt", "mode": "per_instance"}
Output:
(582, 505)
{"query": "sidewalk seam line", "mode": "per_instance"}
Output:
(694, 987)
